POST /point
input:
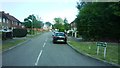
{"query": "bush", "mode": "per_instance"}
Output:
(61, 30)
(6, 35)
(70, 33)
(19, 32)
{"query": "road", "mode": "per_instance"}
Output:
(40, 51)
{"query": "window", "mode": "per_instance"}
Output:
(60, 34)
(12, 22)
(19, 24)
(4, 20)
(2, 27)
(7, 20)
(16, 23)
(6, 27)
(0, 19)
(14, 27)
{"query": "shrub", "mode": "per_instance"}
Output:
(3, 36)
(70, 33)
(19, 32)
(61, 30)
(6, 35)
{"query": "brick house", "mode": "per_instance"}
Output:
(9, 22)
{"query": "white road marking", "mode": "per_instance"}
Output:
(36, 63)
(44, 44)
(46, 40)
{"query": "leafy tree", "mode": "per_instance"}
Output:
(66, 24)
(59, 24)
(27, 23)
(31, 22)
(95, 19)
(58, 20)
(38, 24)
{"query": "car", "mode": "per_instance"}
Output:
(59, 37)
(53, 32)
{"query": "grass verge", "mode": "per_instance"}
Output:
(9, 44)
(91, 49)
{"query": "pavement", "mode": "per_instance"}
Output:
(40, 51)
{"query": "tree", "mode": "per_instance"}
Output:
(95, 19)
(58, 20)
(38, 24)
(66, 24)
(59, 24)
(31, 22)
(27, 23)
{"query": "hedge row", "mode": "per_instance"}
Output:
(6, 35)
(19, 32)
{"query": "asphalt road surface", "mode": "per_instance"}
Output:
(40, 51)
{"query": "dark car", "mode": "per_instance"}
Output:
(59, 37)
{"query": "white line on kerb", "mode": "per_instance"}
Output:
(44, 44)
(36, 63)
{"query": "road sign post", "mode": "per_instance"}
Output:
(98, 50)
(102, 44)
(104, 52)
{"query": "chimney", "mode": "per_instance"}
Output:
(3, 12)
(7, 13)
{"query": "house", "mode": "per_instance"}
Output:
(8, 23)
(46, 27)
(73, 29)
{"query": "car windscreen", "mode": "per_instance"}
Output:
(59, 34)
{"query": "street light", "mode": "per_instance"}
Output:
(32, 23)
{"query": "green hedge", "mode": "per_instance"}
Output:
(61, 30)
(19, 32)
(6, 35)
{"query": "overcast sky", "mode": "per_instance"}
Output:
(46, 9)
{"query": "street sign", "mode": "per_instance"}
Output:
(104, 44)
(101, 44)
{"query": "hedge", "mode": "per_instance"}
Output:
(19, 32)
(61, 30)
(6, 35)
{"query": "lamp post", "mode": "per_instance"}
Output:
(32, 24)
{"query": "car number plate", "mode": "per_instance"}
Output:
(61, 40)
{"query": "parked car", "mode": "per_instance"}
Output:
(59, 37)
